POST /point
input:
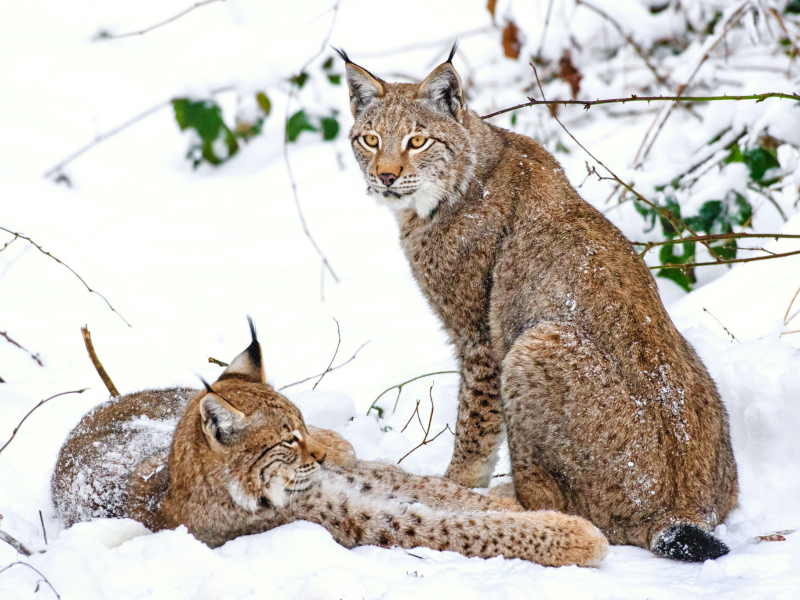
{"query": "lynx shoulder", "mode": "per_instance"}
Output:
(557, 324)
(242, 461)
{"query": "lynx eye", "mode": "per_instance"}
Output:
(417, 141)
(371, 141)
(291, 442)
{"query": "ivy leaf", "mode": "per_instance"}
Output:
(264, 103)
(205, 118)
(297, 124)
(335, 79)
(328, 64)
(330, 127)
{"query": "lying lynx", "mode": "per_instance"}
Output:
(557, 324)
(242, 461)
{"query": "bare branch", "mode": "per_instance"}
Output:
(215, 361)
(40, 249)
(546, 25)
(427, 430)
(786, 319)
(18, 345)
(642, 54)
(14, 542)
(33, 569)
(587, 104)
(399, 388)
(318, 374)
(733, 337)
(667, 214)
(112, 132)
(14, 433)
(687, 266)
(335, 352)
(44, 531)
(98, 366)
(108, 36)
(710, 238)
(324, 45)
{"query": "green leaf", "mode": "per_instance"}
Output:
(328, 64)
(741, 212)
(513, 119)
(330, 128)
(727, 249)
(710, 213)
(297, 124)
(335, 79)
(264, 103)
(300, 80)
(204, 116)
(793, 7)
(684, 278)
(759, 161)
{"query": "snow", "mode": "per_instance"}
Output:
(184, 255)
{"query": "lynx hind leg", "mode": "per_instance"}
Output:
(339, 450)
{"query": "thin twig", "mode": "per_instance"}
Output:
(18, 345)
(733, 337)
(14, 433)
(416, 412)
(44, 531)
(587, 104)
(667, 214)
(730, 22)
(786, 319)
(42, 250)
(399, 387)
(788, 332)
(687, 266)
(98, 366)
(37, 571)
(425, 441)
(108, 36)
(335, 352)
(329, 370)
(216, 361)
(289, 99)
(710, 238)
(642, 54)
(544, 28)
(14, 542)
(112, 132)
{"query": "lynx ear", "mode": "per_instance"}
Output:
(220, 420)
(443, 88)
(248, 365)
(363, 85)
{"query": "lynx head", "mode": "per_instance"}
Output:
(409, 138)
(256, 442)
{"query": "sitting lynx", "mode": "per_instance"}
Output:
(557, 324)
(242, 461)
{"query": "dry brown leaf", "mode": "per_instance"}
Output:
(490, 6)
(511, 41)
(774, 537)
(569, 73)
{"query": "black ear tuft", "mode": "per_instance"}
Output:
(452, 52)
(342, 54)
(206, 384)
(253, 335)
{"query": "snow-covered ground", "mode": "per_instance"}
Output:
(183, 255)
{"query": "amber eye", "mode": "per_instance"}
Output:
(371, 141)
(417, 141)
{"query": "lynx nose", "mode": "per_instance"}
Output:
(388, 178)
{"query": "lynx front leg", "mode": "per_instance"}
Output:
(480, 420)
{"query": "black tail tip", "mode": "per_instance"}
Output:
(688, 542)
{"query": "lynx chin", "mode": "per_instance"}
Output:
(557, 324)
(243, 461)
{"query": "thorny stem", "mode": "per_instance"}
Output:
(687, 266)
(18, 345)
(587, 104)
(107, 36)
(399, 388)
(628, 38)
(42, 250)
(667, 214)
(710, 238)
(292, 88)
(339, 366)
(335, 352)
(14, 433)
